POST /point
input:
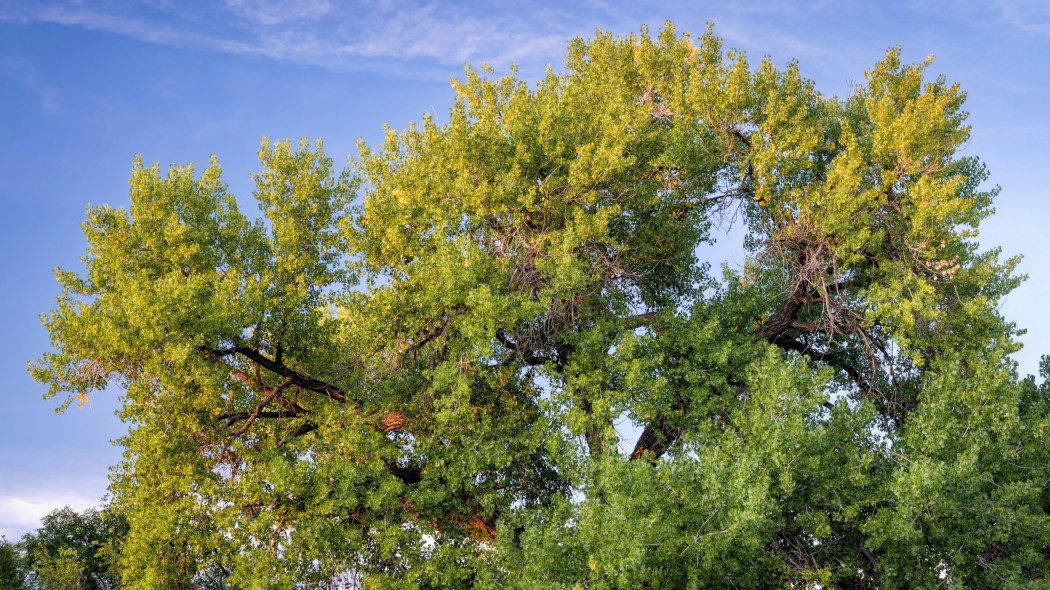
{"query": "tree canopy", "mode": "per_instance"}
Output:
(12, 566)
(420, 371)
(74, 549)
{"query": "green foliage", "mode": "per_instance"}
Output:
(12, 566)
(417, 372)
(60, 572)
(90, 539)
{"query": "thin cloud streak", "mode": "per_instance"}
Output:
(134, 28)
(314, 32)
(274, 12)
(419, 37)
(23, 72)
(413, 39)
(1025, 15)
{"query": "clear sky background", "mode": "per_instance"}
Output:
(85, 84)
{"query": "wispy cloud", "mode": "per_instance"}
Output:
(275, 12)
(365, 35)
(431, 32)
(137, 28)
(413, 36)
(22, 72)
(1026, 15)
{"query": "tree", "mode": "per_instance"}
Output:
(12, 569)
(418, 371)
(84, 539)
(60, 572)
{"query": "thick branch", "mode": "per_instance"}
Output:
(296, 432)
(658, 436)
(825, 357)
(592, 435)
(528, 356)
(774, 330)
(639, 320)
(298, 379)
(388, 422)
(777, 324)
(236, 417)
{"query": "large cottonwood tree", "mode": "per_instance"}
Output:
(418, 372)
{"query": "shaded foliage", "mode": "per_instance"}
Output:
(12, 566)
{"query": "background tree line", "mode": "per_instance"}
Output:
(70, 550)
(76, 551)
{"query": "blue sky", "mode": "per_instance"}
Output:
(86, 84)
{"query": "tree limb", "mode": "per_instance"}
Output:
(296, 432)
(658, 436)
(528, 356)
(298, 379)
(254, 415)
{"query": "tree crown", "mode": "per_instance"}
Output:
(413, 371)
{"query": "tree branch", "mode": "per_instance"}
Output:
(236, 417)
(637, 321)
(298, 379)
(529, 357)
(831, 359)
(658, 436)
(254, 415)
(296, 432)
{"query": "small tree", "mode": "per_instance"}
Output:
(59, 572)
